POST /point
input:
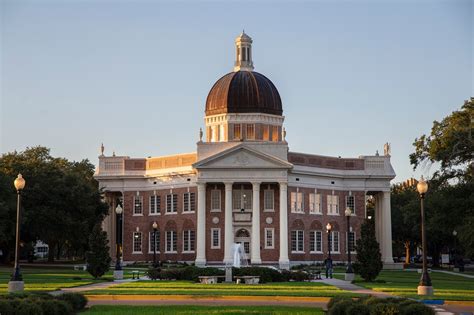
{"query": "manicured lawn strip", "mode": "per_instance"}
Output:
(405, 283)
(201, 310)
(310, 289)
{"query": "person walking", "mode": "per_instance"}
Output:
(328, 264)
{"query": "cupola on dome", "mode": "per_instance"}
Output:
(244, 90)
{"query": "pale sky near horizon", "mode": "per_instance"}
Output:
(135, 75)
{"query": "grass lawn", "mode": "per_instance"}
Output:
(189, 309)
(404, 283)
(311, 289)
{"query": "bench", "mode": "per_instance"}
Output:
(80, 267)
(135, 272)
(209, 279)
(248, 279)
(317, 275)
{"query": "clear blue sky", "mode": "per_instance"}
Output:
(135, 74)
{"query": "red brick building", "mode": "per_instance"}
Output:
(243, 185)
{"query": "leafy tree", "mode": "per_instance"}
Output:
(369, 260)
(450, 143)
(61, 200)
(98, 258)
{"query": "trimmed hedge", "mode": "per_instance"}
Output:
(41, 304)
(192, 273)
(377, 306)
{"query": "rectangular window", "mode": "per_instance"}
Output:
(333, 204)
(215, 200)
(171, 240)
(156, 238)
(138, 205)
(237, 132)
(266, 132)
(296, 202)
(188, 241)
(315, 242)
(297, 241)
(315, 203)
(137, 242)
(350, 203)
(269, 238)
(275, 133)
(250, 132)
(189, 200)
(155, 204)
(351, 242)
(334, 241)
(171, 203)
(242, 199)
(268, 200)
(215, 238)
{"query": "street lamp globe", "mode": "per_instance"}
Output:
(422, 186)
(348, 212)
(119, 209)
(155, 225)
(19, 182)
(329, 227)
(455, 233)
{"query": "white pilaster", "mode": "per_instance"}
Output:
(386, 231)
(229, 231)
(255, 255)
(201, 226)
(378, 217)
(283, 260)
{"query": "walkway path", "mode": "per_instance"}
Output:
(455, 273)
(346, 285)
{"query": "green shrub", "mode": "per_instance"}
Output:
(358, 309)
(299, 276)
(77, 301)
(265, 274)
(63, 307)
(416, 309)
(26, 307)
(341, 307)
(153, 273)
(384, 308)
(6, 307)
(369, 260)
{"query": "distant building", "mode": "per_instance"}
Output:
(243, 185)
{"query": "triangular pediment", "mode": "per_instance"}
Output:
(242, 157)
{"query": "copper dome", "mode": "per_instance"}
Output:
(243, 92)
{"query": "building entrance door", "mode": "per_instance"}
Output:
(243, 237)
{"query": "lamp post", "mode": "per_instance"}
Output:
(424, 287)
(328, 230)
(349, 276)
(16, 283)
(118, 272)
(155, 228)
(455, 233)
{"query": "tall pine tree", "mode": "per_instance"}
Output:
(369, 260)
(98, 258)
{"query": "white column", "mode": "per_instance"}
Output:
(284, 261)
(201, 226)
(229, 231)
(386, 231)
(255, 255)
(378, 217)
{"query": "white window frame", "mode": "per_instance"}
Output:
(173, 249)
(173, 203)
(244, 203)
(140, 202)
(157, 242)
(333, 233)
(218, 230)
(348, 203)
(141, 242)
(272, 238)
(214, 193)
(156, 210)
(313, 234)
(347, 242)
(191, 202)
(297, 201)
(298, 234)
(315, 203)
(187, 239)
(270, 192)
(333, 204)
